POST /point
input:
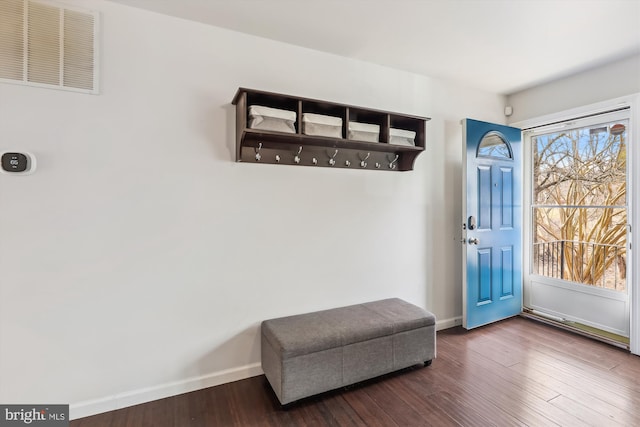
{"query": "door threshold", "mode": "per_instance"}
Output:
(578, 328)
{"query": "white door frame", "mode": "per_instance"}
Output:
(633, 159)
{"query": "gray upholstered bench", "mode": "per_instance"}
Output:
(312, 353)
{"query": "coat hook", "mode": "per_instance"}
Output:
(347, 163)
(314, 161)
(377, 165)
(258, 155)
(277, 158)
(332, 160)
(392, 165)
(296, 159)
(363, 163)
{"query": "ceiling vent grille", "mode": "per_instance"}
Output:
(43, 44)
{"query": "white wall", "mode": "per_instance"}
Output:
(139, 259)
(620, 78)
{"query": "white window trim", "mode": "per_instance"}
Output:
(633, 102)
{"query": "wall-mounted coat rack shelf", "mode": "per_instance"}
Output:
(283, 129)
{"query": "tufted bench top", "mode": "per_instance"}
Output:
(322, 330)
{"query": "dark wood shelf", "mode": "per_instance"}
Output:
(265, 146)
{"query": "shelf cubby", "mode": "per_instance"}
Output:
(319, 151)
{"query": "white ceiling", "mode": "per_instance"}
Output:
(500, 46)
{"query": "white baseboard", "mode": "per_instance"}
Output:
(448, 323)
(148, 394)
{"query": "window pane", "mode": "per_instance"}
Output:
(583, 245)
(494, 145)
(585, 166)
(579, 205)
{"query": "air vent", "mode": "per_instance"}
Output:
(48, 45)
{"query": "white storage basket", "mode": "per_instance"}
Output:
(267, 118)
(402, 137)
(321, 125)
(364, 132)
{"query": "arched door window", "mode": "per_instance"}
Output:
(494, 145)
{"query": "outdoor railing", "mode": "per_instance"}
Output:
(589, 263)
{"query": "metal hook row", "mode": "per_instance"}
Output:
(332, 158)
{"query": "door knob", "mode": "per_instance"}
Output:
(473, 241)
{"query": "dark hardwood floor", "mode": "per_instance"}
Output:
(513, 373)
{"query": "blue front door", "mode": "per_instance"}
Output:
(492, 223)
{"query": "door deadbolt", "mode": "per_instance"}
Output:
(472, 222)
